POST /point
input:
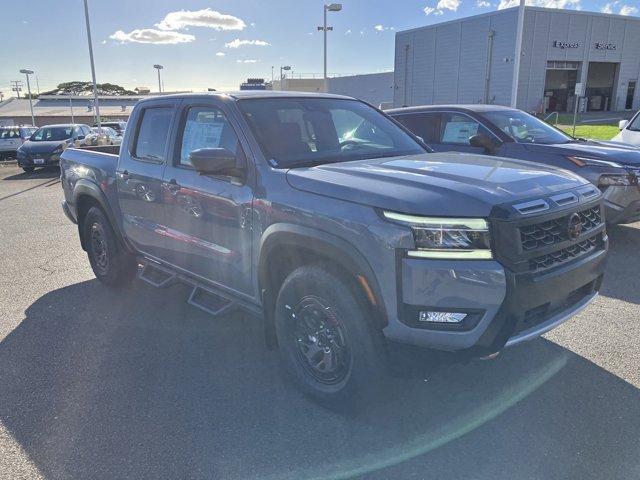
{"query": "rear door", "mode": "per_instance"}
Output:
(139, 176)
(209, 217)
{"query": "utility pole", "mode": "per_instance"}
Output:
(518, 55)
(16, 86)
(93, 68)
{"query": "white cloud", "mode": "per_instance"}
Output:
(483, 4)
(220, 54)
(103, 42)
(200, 18)
(574, 4)
(150, 35)
(348, 32)
(608, 8)
(628, 10)
(442, 5)
(239, 43)
(250, 60)
(382, 28)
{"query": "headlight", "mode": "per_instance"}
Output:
(592, 162)
(615, 181)
(447, 238)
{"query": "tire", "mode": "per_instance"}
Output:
(311, 297)
(110, 263)
(28, 169)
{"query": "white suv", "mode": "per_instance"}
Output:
(12, 137)
(629, 131)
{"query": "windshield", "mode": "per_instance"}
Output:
(46, 134)
(312, 131)
(525, 128)
(635, 123)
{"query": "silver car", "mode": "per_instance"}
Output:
(12, 137)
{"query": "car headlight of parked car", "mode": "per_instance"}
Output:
(447, 238)
(623, 179)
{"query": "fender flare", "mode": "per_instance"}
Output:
(87, 188)
(325, 244)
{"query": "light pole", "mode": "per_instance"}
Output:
(93, 68)
(518, 55)
(282, 75)
(27, 73)
(332, 7)
(159, 67)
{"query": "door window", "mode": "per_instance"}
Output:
(206, 127)
(425, 125)
(458, 128)
(153, 134)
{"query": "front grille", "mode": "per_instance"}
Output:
(554, 231)
(564, 254)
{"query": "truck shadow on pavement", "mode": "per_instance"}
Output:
(105, 384)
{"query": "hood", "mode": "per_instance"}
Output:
(612, 151)
(450, 184)
(30, 147)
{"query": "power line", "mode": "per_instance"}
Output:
(16, 86)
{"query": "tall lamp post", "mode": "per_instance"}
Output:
(332, 7)
(93, 68)
(27, 73)
(159, 67)
(283, 68)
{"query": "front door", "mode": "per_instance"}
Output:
(139, 177)
(209, 217)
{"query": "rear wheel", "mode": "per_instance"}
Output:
(110, 263)
(327, 341)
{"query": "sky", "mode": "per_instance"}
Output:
(219, 43)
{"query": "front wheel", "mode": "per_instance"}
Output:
(110, 263)
(328, 343)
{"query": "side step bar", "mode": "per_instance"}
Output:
(156, 275)
(214, 303)
(206, 297)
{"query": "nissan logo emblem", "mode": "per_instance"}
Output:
(574, 226)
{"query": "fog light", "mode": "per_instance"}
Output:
(441, 317)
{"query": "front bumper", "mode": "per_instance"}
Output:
(622, 204)
(30, 160)
(505, 308)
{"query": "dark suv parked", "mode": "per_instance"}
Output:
(511, 133)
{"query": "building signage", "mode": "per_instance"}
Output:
(561, 44)
(606, 46)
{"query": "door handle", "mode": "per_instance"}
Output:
(173, 186)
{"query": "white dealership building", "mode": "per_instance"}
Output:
(470, 60)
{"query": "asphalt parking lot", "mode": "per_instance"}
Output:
(102, 384)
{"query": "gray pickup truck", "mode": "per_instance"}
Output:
(338, 227)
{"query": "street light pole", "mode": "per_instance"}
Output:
(93, 68)
(159, 67)
(27, 73)
(332, 7)
(518, 55)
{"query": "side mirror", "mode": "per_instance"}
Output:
(213, 161)
(622, 124)
(482, 141)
